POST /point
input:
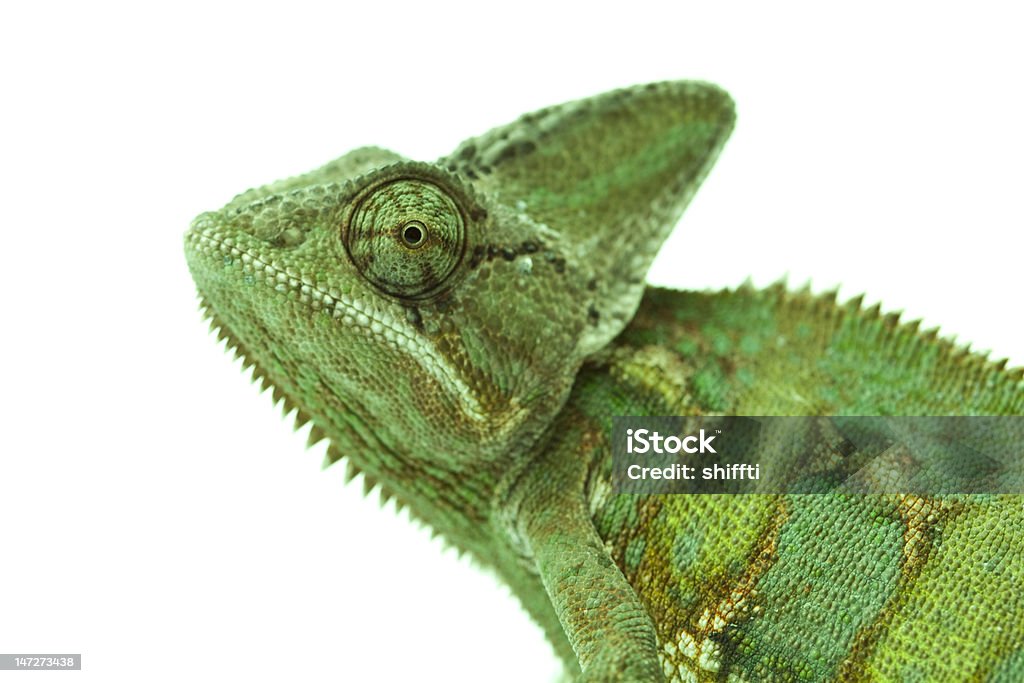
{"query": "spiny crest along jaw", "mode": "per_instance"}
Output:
(301, 419)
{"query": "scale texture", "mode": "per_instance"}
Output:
(463, 333)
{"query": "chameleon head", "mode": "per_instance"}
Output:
(409, 318)
(431, 318)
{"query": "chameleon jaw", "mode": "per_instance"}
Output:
(205, 249)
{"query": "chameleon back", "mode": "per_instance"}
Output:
(809, 587)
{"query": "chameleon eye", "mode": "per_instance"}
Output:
(406, 237)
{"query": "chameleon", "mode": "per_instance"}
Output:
(463, 332)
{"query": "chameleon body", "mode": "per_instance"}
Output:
(463, 333)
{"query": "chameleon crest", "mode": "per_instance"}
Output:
(463, 331)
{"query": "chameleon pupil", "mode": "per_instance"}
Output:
(413, 234)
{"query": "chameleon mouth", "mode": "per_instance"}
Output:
(205, 249)
(202, 240)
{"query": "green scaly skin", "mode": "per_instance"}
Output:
(462, 332)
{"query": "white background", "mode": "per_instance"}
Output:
(157, 515)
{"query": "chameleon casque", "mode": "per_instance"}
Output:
(464, 331)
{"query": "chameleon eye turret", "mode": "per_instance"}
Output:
(406, 236)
